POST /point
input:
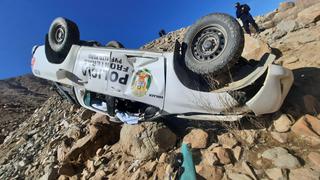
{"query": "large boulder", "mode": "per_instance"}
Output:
(309, 15)
(146, 140)
(254, 48)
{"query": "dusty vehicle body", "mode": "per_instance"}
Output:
(110, 80)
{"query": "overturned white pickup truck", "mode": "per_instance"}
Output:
(134, 85)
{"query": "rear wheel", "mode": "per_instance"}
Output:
(214, 44)
(62, 34)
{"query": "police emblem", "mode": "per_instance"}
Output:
(141, 82)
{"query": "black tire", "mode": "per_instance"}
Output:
(63, 33)
(213, 44)
(114, 44)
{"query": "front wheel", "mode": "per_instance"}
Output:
(214, 44)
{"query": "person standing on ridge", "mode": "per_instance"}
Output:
(162, 32)
(243, 13)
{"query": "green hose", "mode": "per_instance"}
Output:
(189, 172)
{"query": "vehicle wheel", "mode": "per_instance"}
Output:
(114, 44)
(63, 33)
(213, 44)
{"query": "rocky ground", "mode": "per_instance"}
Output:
(62, 141)
(19, 97)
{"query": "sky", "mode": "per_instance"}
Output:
(24, 23)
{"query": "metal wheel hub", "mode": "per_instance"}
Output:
(59, 34)
(208, 43)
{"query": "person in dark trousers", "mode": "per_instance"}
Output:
(243, 13)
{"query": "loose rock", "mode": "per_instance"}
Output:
(309, 127)
(227, 140)
(197, 138)
(285, 6)
(279, 34)
(224, 155)
(280, 137)
(309, 15)
(249, 136)
(277, 174)
(306, 173)
(249, 170)
(74, 132)
(281, 158)
(237, 151)
(238, 176)
(287, 26)
(210, 172)
(99, 118)
(254, 48)
(282, 124)
(315, 159)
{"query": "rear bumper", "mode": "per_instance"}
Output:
(273, 92)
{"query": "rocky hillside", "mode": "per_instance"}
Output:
(61, 141)
(19, 97)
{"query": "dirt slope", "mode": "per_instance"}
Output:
(19, 97)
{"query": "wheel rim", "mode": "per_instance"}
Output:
(59, 35)
(209, 43)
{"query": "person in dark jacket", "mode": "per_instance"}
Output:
(243, 13)
(162, 32)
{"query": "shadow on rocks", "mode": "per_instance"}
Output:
(304, 93)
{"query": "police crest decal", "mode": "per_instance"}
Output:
(141, 82)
